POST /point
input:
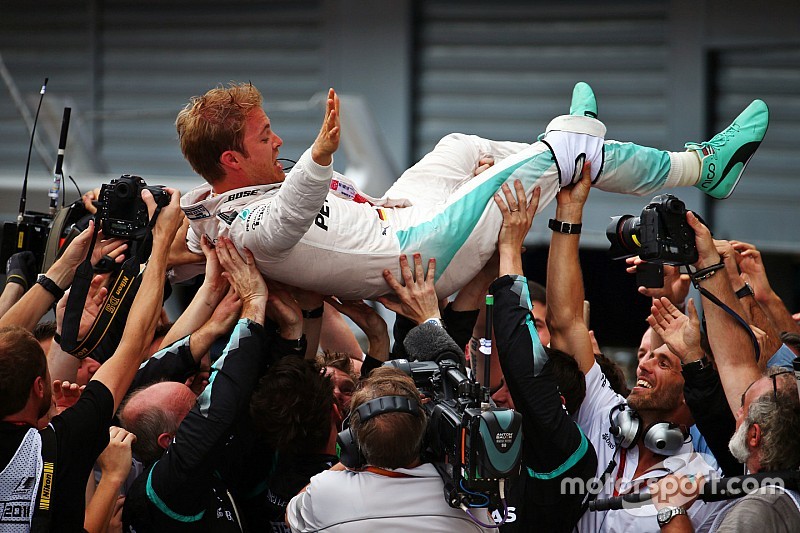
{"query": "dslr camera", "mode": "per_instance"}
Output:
(659, 235)
(473, 445)
(122, 212)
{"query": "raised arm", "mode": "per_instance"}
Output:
(730, 342)
(753, 312)
(749, 261)
(370, 322)
(180, 479)
(117, 373)
(205, 301)
(38, 300)
(568, 332)
(559, 448)
(296, 204)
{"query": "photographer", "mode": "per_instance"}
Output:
(766, 408)
(395, 489)
(72, 441)
(627, 460)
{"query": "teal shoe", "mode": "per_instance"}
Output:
(726, 155)
(583, 103)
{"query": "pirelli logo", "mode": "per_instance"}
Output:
(47, 486)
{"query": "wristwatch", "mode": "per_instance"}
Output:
(435, 321)
(666, 514)
(696, 365)
(747, 290)
(569, 228)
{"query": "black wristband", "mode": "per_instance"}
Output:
(747, 290)
(50, 286)
(314, 313)
(19, 280)
(705, 273)
(568, 228)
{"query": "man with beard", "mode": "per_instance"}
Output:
(766, 408)
(627, 459)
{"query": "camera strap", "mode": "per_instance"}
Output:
(719, 303)
(103, 337)
(42, 513)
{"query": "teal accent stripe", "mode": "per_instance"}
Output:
(569, 463)
(161, 506)
(632, 169)
(239, 332)
(447, 232)
(540, 357)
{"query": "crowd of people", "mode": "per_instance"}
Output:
(257, 409)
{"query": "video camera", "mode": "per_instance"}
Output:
(475, 446)
(43, 234)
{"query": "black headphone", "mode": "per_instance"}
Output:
(347, 447)
(663, 438)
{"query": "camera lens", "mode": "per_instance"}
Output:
(624, 235)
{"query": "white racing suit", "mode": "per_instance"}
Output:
(304, 234)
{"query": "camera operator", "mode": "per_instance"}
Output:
(395, 490)
(58, 458)
(766, 407)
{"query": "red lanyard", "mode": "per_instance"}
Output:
(620, 471)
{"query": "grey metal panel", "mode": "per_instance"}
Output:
(151, 57)
(764, 208)
(38, 40)
(504, 70)
(158, 54)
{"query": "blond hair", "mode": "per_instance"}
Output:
(214, 123)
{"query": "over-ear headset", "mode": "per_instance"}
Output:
(663, 438)
(346, 445)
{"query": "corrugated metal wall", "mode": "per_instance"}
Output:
(498, 69)
(503, 71)
(129, 66)
(764, 208)
(155, 55)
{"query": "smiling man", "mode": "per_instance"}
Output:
(633, 458)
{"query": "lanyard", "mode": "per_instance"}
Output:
(620, 471)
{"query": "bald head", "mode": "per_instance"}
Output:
(169, 396)
(154, 414)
